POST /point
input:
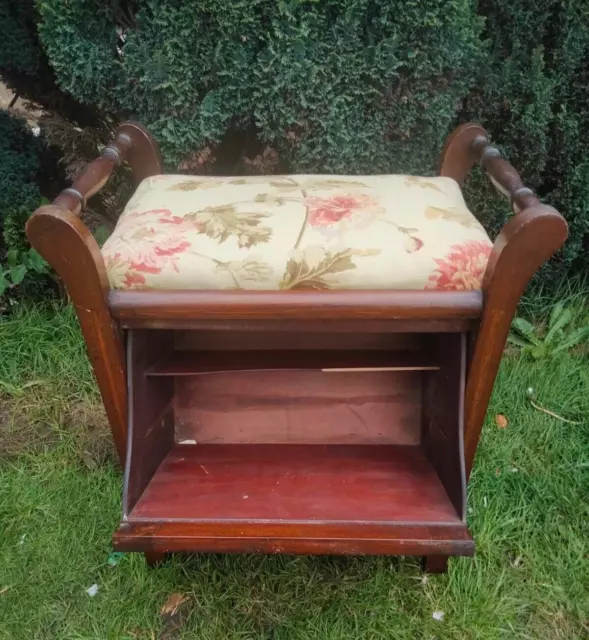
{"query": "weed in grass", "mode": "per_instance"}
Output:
(528, 510)
(566, 328)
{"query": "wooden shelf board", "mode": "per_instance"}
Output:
(310, 484)
(187, 363)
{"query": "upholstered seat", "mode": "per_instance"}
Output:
(297, 232)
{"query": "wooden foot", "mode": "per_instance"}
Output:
(435, 564)
(155, 558)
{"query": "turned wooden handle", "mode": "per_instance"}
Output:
(94, 175)
(469, 144)
(132, 143)
(503, 175)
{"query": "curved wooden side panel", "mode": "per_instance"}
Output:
(65, 242)
(459, 154)
(68, 246)
(525, 243)
(143, 154)
(530, 238)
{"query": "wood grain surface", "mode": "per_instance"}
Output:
(300, 406)
(296, 483)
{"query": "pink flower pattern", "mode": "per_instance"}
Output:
(156, 247)
(327, 211)
(463, 268)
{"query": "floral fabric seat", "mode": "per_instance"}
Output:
(297, 232)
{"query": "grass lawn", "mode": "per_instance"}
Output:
(60, 502)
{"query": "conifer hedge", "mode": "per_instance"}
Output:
(20, 162)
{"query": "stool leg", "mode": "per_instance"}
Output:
(155, 558)
(435, 564)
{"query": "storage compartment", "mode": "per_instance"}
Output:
(299, 483)
(330, 437)
(315, 407)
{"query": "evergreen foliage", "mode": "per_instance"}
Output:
(533, 97)
(332, 86)
(20, 163)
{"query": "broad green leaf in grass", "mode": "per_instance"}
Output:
(36, 262)
(538, 351)
(18, 273)
(12, 257)
(3, 283)
(574, 338)
(560, 336)
(558, 322)
(519, 342)
(555, 313)
(527, 329)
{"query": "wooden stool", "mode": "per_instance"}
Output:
(296, 364)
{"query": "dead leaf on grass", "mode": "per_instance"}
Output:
(501, 421)
(516, 561)
(172, 604)
(173, 614)
(89, 461)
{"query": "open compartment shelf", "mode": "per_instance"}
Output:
(332, 448)
(296, 483)
(271, 497)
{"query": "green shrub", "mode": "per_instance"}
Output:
(332, 86)
(24, 67)
(20, 164)
(22, 158)
(20, 50)
(532, 97)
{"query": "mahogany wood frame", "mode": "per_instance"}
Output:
(531, 236)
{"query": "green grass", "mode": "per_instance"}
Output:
(43, 347)
(528, 510)
(572, 292)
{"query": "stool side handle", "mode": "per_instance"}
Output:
(61, 237)
(132, 143)
(468, 145)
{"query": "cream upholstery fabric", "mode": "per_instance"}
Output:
(297, 232)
